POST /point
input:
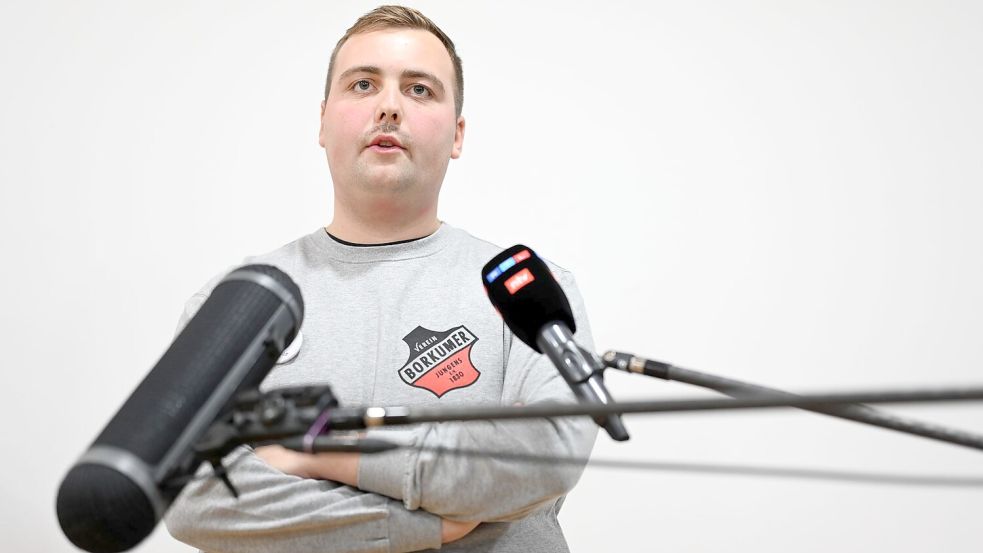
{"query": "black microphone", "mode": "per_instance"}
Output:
(113, 497)
(522, 288)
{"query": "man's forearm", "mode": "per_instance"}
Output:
(278, 512)
(341, 468)
(337, 467)
(481, 487)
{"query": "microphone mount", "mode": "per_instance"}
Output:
(283, 415)
(303, 418)
(256, 418)
(739, 389)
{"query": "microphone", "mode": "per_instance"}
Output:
(523, 290)
(114, 495)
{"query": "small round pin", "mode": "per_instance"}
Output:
(292, 350)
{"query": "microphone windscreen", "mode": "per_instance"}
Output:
(523, 290)
(116, 493)
(200, 357)
(102, 510)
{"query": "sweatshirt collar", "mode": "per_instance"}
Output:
(368, 253)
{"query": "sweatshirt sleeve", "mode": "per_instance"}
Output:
(487, 488)
(280, 512)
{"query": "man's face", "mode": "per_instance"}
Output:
(389, 123)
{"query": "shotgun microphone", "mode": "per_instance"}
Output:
(113, 497)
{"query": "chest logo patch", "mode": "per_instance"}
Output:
(440, 361)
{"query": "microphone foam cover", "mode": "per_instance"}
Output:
(103, 511)
(522, 288)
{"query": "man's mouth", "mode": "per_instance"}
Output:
(386, 143)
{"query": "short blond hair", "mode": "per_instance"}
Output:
(401, 17)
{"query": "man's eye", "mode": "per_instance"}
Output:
(362, 85)
(420, 90)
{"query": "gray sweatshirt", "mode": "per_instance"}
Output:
(402, 324)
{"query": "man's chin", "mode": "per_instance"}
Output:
(383, 180)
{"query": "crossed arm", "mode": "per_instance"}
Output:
(280, 512)
(403, 501)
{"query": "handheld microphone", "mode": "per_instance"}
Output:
(113, 497)
(522, 288)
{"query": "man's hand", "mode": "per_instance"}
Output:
(451, 530)
(338, 467)
(285, 460)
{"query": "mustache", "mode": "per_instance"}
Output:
(391, 129)
(385, 128)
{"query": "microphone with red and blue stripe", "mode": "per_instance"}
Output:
(535, 308)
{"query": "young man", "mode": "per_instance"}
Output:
(396, 315)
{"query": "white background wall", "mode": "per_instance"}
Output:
(785, 192)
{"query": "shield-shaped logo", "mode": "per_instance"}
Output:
(440, 361)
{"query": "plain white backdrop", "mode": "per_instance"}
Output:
(784, 192)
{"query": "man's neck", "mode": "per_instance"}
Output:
(381, 230)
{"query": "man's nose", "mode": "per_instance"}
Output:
(389, 110)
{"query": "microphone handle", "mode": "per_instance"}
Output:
(583, 372)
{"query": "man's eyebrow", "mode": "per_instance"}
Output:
(416, 74)
(360, 69)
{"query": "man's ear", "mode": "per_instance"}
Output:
(458, 138)
(320, 132)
